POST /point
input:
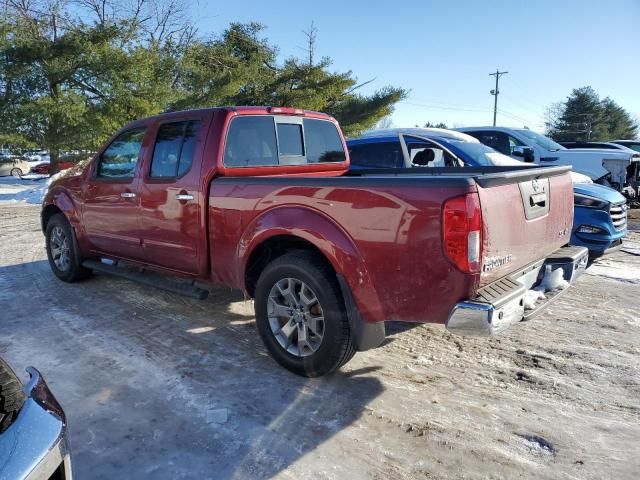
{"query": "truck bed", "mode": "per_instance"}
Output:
(392, 222)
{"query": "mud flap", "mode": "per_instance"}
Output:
(365, 335)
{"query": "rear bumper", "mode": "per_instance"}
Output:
(34, 447)
(501, 304)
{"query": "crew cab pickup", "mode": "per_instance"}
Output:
(260, 199)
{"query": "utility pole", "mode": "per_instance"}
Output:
(495, 93)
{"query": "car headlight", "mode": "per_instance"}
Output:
(589, 202)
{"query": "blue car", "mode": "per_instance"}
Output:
(600, 213)
(599, 218)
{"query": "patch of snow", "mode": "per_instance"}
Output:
(29, 188)
(615, 270)
(530, 298)
(553, 280)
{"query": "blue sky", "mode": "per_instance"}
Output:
(443, 51)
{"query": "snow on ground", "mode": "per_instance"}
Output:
(620, 267)
(30, 188)
(160, 386)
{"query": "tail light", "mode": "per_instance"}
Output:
(462, 232)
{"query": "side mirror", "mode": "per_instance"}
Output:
(525, 153)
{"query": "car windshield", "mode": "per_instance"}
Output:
(541, 140)
(484, 155)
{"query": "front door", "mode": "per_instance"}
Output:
(111, 202)
(170, 199)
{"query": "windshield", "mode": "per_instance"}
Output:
(541, 140)
(484, 155)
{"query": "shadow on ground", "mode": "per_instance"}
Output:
(157, 385)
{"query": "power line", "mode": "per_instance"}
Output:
(440, 107)
(515, 117)
(495, 93)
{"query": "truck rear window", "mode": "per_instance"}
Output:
(252, 141)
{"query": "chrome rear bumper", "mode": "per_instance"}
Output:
(34, 447)
(501, 304)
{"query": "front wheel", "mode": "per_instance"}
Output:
(16, 172)
(62, 252)
(301, 316)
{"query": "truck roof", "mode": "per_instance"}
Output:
(240, 110)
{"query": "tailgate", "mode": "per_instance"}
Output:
(526, 216)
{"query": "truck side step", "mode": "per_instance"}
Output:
(148, 278)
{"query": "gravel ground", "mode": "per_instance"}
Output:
(156, 385)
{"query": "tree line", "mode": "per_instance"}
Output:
(73, 71)
(586, 116)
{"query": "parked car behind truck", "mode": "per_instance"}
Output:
(600, 213)
(259, 199)
(616, 169)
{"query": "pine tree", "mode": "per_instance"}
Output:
(584, 116)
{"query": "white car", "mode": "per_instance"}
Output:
(614, 168)
(13, 166)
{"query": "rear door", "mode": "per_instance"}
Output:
(170, 200)
(111, 203)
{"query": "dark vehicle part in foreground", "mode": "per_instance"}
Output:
(33, 427)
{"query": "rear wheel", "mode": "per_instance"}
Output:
(16, 172)
(62, 251)
(301, 316)
(11, 396)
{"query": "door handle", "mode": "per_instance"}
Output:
(128, 195)
(538, 199)
(184, 196)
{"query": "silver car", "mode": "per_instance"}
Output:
(33, 429)
(13, 166)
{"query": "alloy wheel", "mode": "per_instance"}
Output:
(295, 317)
(60, 249)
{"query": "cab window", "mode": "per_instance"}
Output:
(323, 141)
(120, 158)
(253, 141)
(174, 149)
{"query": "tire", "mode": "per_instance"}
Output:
(16, 172)
(11, 396)
(62, 251)
(311, 287)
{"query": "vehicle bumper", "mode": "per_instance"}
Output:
(34, 447)
(501, 304)
(606, 237)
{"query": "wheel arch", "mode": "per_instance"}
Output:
(48, 211)
(285, 229)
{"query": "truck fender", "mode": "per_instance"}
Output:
(59, 201)
(335, 245)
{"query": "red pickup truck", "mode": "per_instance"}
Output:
(260, 199)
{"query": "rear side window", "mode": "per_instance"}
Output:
(174, 149)
(120, 158)
(323, 141)
(252, 141)
(377, 155)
